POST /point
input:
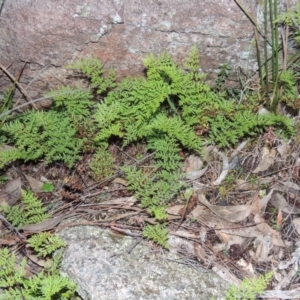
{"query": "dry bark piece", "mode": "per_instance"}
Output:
(35, 185)
(11, 192)
(267, 159)
(233, 214)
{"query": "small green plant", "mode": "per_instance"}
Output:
(223, 74)
(249, 289)
(47, 285)
(30, 211)
(158, 234)
(170, 109)
(45, 243)
(278, 77)
(102, 165)
(48, 187)
(3, 179)
(38, 134)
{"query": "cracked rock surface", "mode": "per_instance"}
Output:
(48, 35)
(106, 265)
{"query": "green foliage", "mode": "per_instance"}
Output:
(45, 243)
(76, 103)
(159, 212)
(142, 108)
(102, 165)
(228, 130)
(38, 134)
(290, 93)
(277, 73)
(157, 233)
(48, 187)
(30, 211)
(44, 286)
(249, 289)
(93, 69)
(292, 19)
(159, 187)
(223, 74)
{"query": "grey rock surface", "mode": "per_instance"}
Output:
(106, 266)
(43, 36)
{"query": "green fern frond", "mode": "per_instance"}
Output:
(159, 212)
(29, 212)
(175, 128)
(45, 286)
(158, 234)
(249, 289)
(76, 102)
(39, 133)
(45, 243)
(93, 69)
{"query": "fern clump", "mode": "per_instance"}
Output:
(102, 165)
(158, 234)
(30, 211)
(47, 285)
(93, 69)
(249, 289)
(76, 103)
(37, 134)
(45, 243)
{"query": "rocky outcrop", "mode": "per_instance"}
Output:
(42, 36)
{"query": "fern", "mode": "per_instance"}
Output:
(159, 212)
(29, 212)
(76, 103)
(249, 289)
(44, 286)
(45, 243)
(102, 165)
(227, 131)
(158, 234)
(93, 69)
(38, 134)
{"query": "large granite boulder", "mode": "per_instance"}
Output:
(45, 35)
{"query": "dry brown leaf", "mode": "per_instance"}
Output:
(246, 266)
(193, 163)
(196, 174)
(45, 225)
(225, 273)
(35, 185)
(128, 201)
(200, 253)
(230, 233)
(39, 261)
(11, 192)
(278, 294)
(296, 224)
(263, 245)
(12, 240)
(244, 185)
(225, 238)
(225, 167)
(263, 227)
(296, 169)
(279, 218)
(121, 181)
(233, 214)
(174, 210)
(279, 202)
(267, 159)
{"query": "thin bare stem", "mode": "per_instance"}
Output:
(12, 78)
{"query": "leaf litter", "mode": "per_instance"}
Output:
(242, 219)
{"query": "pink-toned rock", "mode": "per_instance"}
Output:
(42, 36)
